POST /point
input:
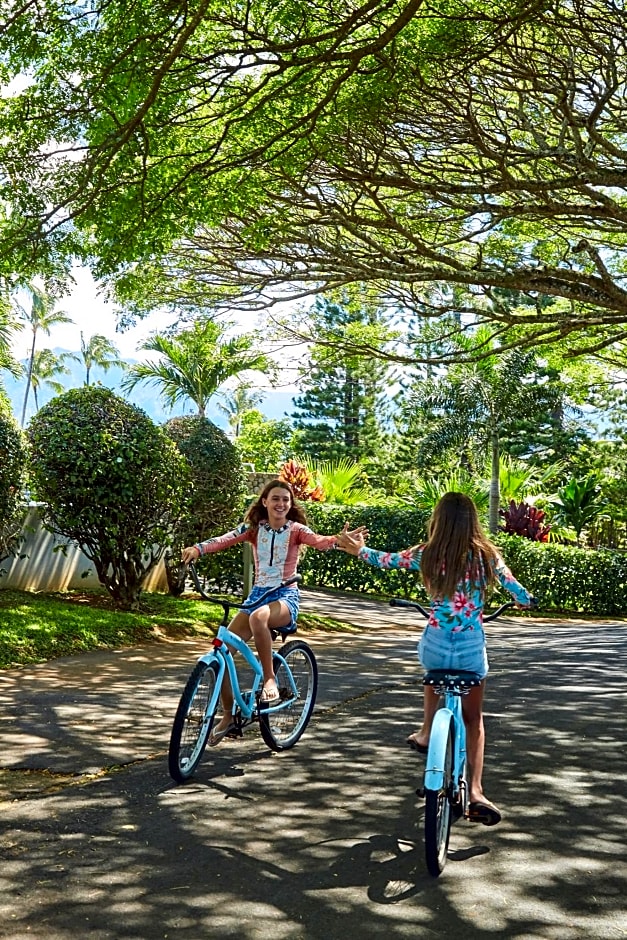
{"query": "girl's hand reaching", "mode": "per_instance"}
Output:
(191, 553)
(352, 541)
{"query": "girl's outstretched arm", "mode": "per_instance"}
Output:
(217, 544)
(520, 594)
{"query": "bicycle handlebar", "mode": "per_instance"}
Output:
(217, 599)
(491, 615)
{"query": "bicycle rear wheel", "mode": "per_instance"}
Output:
(282, 729)
(438, 814)
(192, 722)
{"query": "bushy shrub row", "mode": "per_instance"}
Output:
(564, 578)
(389, 528)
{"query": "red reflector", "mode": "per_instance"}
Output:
(217, 642)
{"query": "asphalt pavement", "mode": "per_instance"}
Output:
(322, 841)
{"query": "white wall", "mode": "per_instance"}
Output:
(43, 569)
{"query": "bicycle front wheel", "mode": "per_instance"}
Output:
(283, 728)
(192, 722)
(438, 812)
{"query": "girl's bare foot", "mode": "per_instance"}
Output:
(418, 741)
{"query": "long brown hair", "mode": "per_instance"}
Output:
(257, 512)
(457, 548)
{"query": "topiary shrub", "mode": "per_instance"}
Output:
(112, 481)
(13, 461)
(217, 501)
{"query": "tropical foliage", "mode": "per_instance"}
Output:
(578, 503)
(264, 443)
(195, 362)
(40, 317)
(98, 352)
(526, 521)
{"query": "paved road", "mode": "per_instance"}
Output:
(323, 841)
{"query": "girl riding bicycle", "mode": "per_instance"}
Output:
(458, 563)
(275, 525)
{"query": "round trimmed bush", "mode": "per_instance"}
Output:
(112, 481)
(217, 499)
(13, 460)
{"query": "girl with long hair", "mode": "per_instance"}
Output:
(276, 527)
(458, 563)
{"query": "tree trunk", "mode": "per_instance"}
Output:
(29, 375)
(495, 496)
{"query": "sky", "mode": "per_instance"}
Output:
(91, 314)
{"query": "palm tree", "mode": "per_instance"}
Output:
(195, 362)
(480, 399)
(238, 403)
(45, 367)
(41, 317)
(8, 329)
(101, 352)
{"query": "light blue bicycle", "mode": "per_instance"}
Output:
(445, 789)
(281, 725)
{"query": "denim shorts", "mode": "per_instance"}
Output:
(463, 651)
(289, 595)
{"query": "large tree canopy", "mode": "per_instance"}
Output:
(440, 152)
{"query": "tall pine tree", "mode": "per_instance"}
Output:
(342, 408)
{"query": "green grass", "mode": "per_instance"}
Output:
(38, 627)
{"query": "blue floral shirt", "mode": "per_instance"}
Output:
(462, 611)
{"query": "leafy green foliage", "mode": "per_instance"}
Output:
(112, 481)
(340, 407)
(216, 503)
(579, 502)
(343, 481)
(263, 442)
(526, 521)
(98, 351)
(195, 362)
(13, 461)
(426, 491)
(475, 401)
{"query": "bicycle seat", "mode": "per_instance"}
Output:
(449, 679)
(283, 632)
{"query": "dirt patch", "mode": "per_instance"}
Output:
(25, 784)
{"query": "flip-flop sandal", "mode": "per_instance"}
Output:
(415, 746)
(483, 813)
(266, 699)
(216, 736)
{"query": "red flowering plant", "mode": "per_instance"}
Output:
(301, 481)
(525, 520)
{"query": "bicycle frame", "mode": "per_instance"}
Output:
(245, 701)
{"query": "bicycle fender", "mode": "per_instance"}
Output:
(434, 773)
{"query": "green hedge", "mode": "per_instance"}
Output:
(389, 528)
(566, 578)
